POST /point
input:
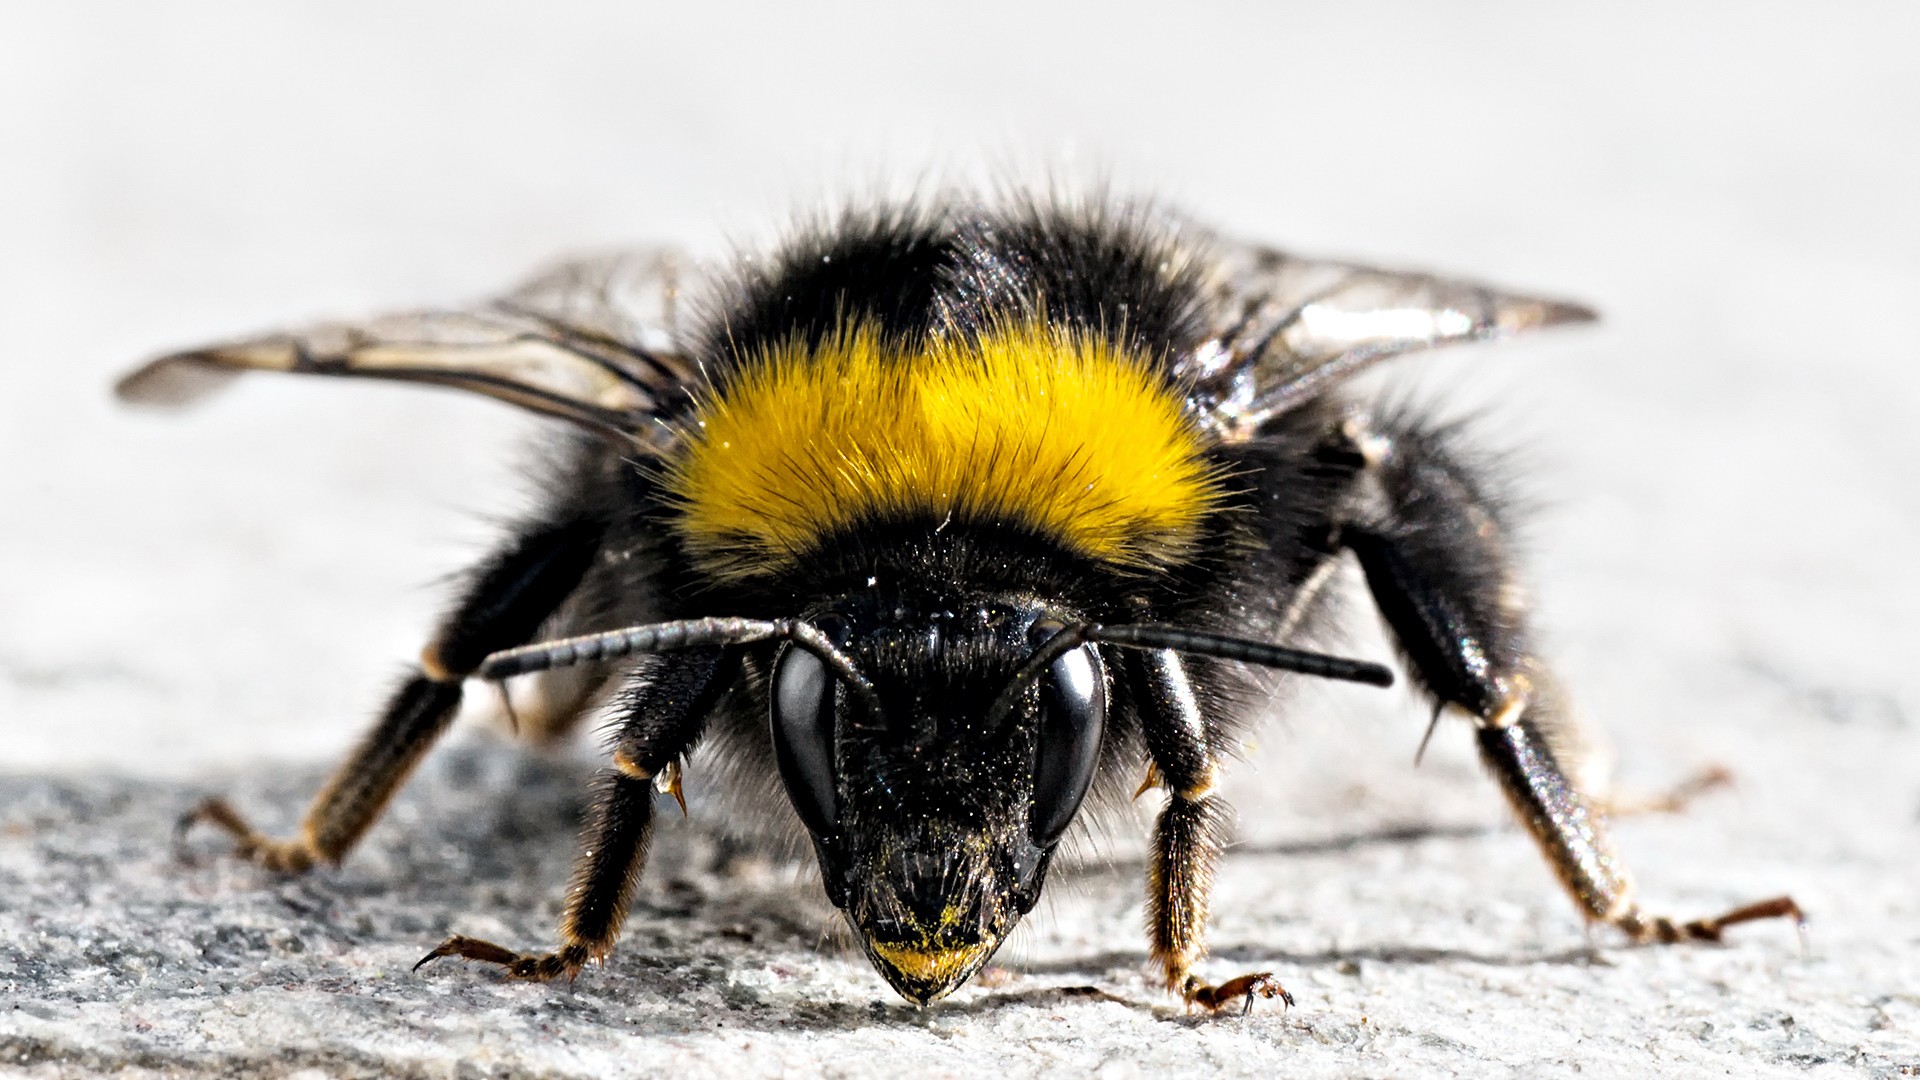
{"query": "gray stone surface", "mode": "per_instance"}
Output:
(214, 602)
(1424, 947)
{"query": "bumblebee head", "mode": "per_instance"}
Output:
(936, 749)
(937, 799)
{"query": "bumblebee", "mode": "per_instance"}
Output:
(938, 517)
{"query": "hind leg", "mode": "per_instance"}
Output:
(1434, 551)
(509, 597)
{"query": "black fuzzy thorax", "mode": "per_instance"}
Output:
(917, 269)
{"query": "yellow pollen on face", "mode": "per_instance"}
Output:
(930, 964)
(1029, 425)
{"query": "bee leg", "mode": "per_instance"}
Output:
(1676, 799)
(1436, 561)
(613, 845)
(1243, 989)
(1572, 831)
(510, 596)
(664, 717)
(1189, 835)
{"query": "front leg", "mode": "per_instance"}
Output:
(1188, 837)
(664, 717)
(613, 847)
(1435, 556)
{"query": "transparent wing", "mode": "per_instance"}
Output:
(594, 340)
(1287, 328)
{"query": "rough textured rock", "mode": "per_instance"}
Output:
(1411, 947)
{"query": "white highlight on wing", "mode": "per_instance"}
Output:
(1289, 328)
(1328, 324)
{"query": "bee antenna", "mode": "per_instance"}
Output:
(1192, 642)
(1257, 653)
(677, 634)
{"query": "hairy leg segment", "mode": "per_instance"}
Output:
(511, 594)
(662, 719)
(1188, 836)
(1433, 547)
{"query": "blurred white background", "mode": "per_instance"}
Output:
(1728, 462)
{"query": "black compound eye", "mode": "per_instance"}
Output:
(803, 693)
(1073, 715)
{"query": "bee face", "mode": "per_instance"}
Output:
(934, 820)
